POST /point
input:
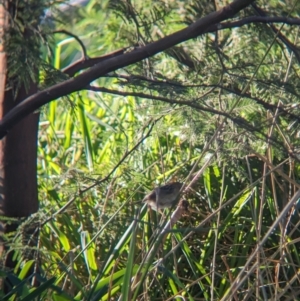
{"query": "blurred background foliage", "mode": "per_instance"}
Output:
(227, 99)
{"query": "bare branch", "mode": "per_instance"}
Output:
(84, 52)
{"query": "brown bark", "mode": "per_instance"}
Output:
(18, 151)
(18, 183)
(18, 180)
(3, 28)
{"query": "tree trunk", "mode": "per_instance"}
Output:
(18, 154)
(18, 150)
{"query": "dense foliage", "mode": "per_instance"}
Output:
(227, 100)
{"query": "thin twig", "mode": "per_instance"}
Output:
(98, 182)
(84, 52)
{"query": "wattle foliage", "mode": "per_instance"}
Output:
(227, 100)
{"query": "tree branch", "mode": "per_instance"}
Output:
(78, 83)
(84, 52)
(235, 90)
(283, 38)
(253, 19)
(89, 62)
(85, 63)
(243, 123)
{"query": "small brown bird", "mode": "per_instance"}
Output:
(163, 196)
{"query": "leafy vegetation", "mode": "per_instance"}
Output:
(219, 111)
